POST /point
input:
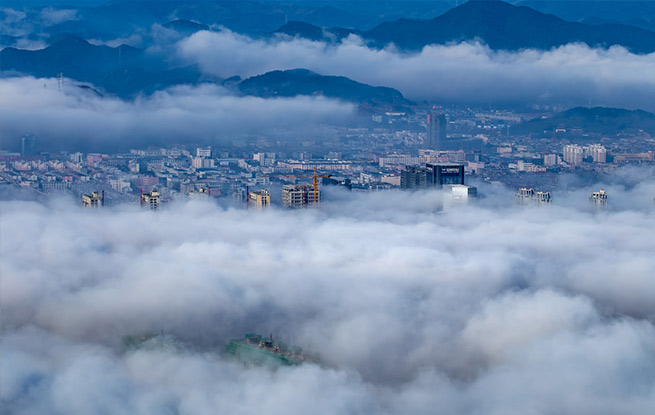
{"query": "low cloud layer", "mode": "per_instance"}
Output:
(50, 16)
(466, 72)
(30, 21)
(206, 113)
(486, 309)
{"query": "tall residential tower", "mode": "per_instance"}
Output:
(436, 129)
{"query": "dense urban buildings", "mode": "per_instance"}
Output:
(383, 157)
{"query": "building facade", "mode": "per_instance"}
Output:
(432, 175)
(573, 154)
(204, 152)
(95, 199)
(151, 200)
(436, 129)
(299, 195)
(414, 177)
(597, 152)
(461, 193)
(598, 198)
(260, 199)
(446, 173)
(527, 196)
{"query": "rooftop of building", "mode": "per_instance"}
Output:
(255, 348)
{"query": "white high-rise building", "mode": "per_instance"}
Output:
(202, 163)
(573, 154)
(597, 152)
(460, 194)
(550, 160)
(204, 152)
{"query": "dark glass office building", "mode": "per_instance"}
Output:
(436, 174)
(446, 173)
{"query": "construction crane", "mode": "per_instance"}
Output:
(315, 177)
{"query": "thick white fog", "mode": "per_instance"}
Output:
(79, 117)
(487, 309)
(572, 74)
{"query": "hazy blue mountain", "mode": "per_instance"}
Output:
(124, 70)
(501, 26)
(302, 29)
(114, 19)
(72, 55)
(185, 26)
(410, 24)
(304, 82)
(8, 39)
(309, 31)
(640, 13)
(610, 121)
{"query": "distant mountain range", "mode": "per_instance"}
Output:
(639, 13)
(185, 26)
(124, 70)
(128, 71)
(610, 121)
(117, 19)
(304, 82)
(498, 24)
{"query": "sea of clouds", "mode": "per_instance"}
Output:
(488, 308)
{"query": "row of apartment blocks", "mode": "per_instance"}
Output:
(574, 154)
(293, 195)
(528, 196)
(150, 200)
